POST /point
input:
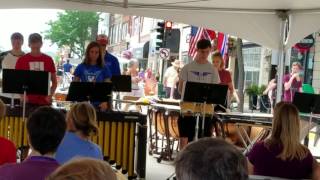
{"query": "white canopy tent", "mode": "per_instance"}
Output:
(277, 24)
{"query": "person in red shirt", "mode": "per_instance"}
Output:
(8, 149)
(37, 61)
(225, 76)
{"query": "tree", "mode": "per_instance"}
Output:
(73, 29)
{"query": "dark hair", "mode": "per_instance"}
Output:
(35, 38)
(203, 44)
(100, 60)
(17, 36)
(211, 158)
(46, 128)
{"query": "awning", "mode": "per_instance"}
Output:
(253, 20)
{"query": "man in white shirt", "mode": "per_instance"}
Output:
(8, 60)
(170, 77)
(200, 70)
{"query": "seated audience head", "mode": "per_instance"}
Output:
(46, 128)
(82, 118)
(94, 55)
(210, 158)
(83, 169)
(286, 132)
(3, 109)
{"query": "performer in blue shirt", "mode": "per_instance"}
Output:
(110, 61)
(92, 69)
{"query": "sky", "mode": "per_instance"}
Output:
(25, 21)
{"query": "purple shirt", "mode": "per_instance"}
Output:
(33, 168)
(295, 86)
(266, 163)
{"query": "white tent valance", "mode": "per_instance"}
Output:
(253, 20)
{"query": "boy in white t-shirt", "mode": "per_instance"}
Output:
(200, 70)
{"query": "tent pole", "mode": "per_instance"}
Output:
(281, 54)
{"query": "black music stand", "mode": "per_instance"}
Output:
(89, 91)
(307, 103)
(121, 83)
(26, 82)
(204, 93)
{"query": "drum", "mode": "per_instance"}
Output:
(233, 136)
(159, 122)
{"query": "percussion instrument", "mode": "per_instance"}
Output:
(122, 138)
(189, 108)
(165, 119)
(158, 118)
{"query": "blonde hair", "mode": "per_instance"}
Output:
(83, 169)
(218, 55)
(83, 116)
(3, 109)
(286, 132)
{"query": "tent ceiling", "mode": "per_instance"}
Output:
(253, 20)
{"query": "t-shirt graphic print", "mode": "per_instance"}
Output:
(36, 66)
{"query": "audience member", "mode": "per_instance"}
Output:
(169, 78)
(282, 155)
(37, 61)
(292, 82)
(136, 89)
(81, 123)
(45, 128)
(210, 158)
(84, 169)
(67, 67)
(93, 69)
(8, 149)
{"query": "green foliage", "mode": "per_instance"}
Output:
(261, 89)
(73, 29)
(252, 90)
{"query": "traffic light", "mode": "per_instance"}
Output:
(160, 35)
(168, 25)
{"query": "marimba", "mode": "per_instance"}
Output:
(264, 121)
(122, 137)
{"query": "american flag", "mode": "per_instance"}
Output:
(222, 45)
(198, 33)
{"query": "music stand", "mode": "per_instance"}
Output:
(121, 83)
(204, 93)
(89, 91)
(26, 82)
(307, 103)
